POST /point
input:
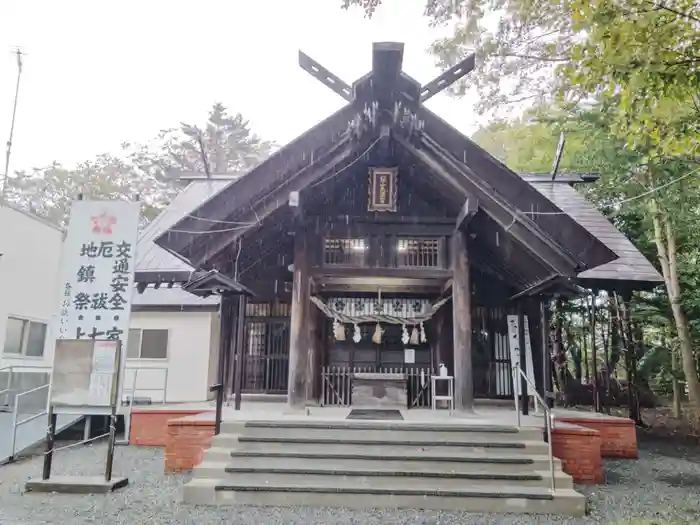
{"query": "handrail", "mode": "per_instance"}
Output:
(15, 414)
(21, 368)
(127, 416)
(519, 373)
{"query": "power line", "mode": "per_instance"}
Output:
(625, 201)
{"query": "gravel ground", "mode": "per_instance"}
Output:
(662, 487)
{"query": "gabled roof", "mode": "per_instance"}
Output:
(151, 257)
(553, 243)
(630, 266)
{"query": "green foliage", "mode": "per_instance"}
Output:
(623, 77)
(144, 170)
(528, 144)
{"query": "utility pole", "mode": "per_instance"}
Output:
(8, 152)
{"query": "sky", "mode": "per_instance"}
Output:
(99, 73)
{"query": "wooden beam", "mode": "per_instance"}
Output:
(338, 157)
(396, 273)
(274, 171)
(561, 228)
(507, 216)
(462, 324)
(299, 325)
(469, 209)
(324, 76)
(387, 62)
(448, 78)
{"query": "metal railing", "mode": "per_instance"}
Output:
(14, 370)
(16, 422)
(518, 375)
(134, 389)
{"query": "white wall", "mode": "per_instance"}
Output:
(29, 270)
(190, 350)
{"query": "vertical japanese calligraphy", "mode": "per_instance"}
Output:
(383, 189)
(97, 270)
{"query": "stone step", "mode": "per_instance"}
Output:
(379, 477)
(470, 498)
(414, 460)
(378, 430)
(356, 444)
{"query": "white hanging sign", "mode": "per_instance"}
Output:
(514, 346)
(409, 356)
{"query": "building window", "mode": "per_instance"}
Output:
(147, 344)
(274, 309)
(418, 253)
(347, 252)
(24, 338)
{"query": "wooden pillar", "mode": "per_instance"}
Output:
(299, 324)
(314, 351)
(462, 324)
(438, 347)
(239, 353)
(225, 329)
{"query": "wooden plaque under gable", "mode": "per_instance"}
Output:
(383, 189)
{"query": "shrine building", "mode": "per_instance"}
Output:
(383, 240)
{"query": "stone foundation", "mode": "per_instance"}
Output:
(187, 440)
(578, 448)
(618, 436)
(149, 428)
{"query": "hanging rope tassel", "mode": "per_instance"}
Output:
(404, 335)
(338, 330)
(357, 336)
(414, 336)
(377, 336)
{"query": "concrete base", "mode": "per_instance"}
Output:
(76, 484)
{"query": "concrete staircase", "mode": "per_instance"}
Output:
(370, 464)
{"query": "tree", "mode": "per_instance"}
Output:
(593, 145)
(640, 59)
(148, 171)
(642, 51)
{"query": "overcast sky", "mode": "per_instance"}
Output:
(98, 73)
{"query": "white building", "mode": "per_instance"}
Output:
(30, 249)
(173, 339)
(174, 336)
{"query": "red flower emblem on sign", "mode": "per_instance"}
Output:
(103, 223)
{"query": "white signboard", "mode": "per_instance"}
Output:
(514, 345)
(97, 273)
(84, 374)
(409, 355)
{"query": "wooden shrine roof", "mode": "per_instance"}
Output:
(630, 266)
(554, 243)
(152, 258)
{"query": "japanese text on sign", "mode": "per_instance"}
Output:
(97, 270)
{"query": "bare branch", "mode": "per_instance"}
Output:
(664, 7)
(533, 57)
